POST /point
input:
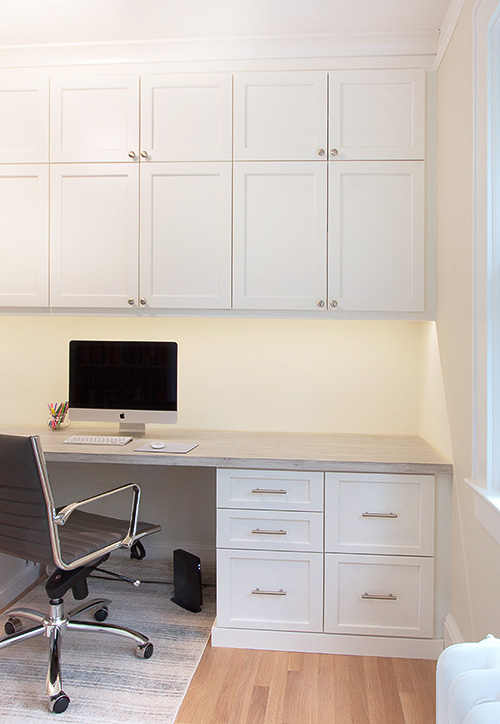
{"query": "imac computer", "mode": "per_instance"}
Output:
(132, 383)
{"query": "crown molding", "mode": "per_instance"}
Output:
(225, 49)
(450, 22)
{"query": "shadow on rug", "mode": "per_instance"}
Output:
(101, 674)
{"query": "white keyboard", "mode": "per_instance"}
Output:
(98, 440)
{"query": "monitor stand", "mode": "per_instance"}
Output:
(135, 429)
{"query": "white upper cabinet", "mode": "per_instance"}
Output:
(186, 117)
(377, 114)
(24, 241)
(279, 237)
(24, 120)
(183, 118)
(376, 236)
(280, 116)
(94, 118)
(185, 238)
(94, 220)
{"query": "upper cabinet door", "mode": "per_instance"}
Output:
(279, 238)
(94, 235)
(377, 114)
(280, 116)
(94, 118)
(24, 241)
(24, 120)
(376, 240)
(186, 235)
(186, 117)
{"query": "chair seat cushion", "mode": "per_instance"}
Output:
(84, 533)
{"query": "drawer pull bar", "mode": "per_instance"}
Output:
(379, 515)
(258, 592)
(269, 532)
(379, 596)
(271, 492)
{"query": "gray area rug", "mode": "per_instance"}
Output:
(101, 674)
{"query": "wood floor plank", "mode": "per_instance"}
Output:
(237, 686)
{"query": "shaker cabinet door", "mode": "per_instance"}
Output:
(24, 241)
(94, 118)
(376, 236)
(279, 235)
(186, 117)
(186, 235)
(94, 235)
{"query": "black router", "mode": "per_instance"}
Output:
(187, 581)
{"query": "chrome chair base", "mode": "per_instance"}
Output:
(53, 626)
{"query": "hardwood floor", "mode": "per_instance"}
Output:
(236, 686)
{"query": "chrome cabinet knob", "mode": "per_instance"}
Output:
(334, 152)
(144, 154)
(321, 303)
(131, 302)
(143, 301)
(333, 303)
(321, 151)
(132, 154)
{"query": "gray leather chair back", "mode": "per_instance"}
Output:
(25, 506)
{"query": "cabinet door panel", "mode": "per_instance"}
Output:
(94, 235)
(186, 235)
(270, 489)
(94, 118)
(275, 591)
(377, 114)
(24, 120)
(279, 235)
(375, 513)
(379, 595)
(270, 530)
(376, 235)
(187, 117)
(24, 242)
(280, 116)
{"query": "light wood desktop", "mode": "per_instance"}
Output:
(333, 543)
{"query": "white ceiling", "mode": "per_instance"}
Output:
(29, 22)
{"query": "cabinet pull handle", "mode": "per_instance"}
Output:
(379, 596)
(270, 492)
(258, 531)
(379, 515)
(258, 592)
(144, 154)
(132, 154)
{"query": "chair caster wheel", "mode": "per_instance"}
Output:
(59, 703)
(145, 651)
(13, 625)
(101, 614)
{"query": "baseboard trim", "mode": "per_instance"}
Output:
(451, 631)
(321, 643)
(16, 587)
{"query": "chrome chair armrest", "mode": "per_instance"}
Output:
(61, 516)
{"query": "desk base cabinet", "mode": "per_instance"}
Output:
(287, 580)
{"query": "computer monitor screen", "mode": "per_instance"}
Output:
(133, 383)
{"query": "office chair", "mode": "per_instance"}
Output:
(74, 541)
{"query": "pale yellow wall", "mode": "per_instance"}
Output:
(475, 585)
(240, 374)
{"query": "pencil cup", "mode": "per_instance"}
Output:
(58, 419)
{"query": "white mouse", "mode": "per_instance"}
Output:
(157, 445)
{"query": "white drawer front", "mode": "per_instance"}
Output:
(387, 514)
(263, 530)
(269, 490)
(379, 595)
(275, 591)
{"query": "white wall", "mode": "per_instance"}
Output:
(238, 374)
(475, 585)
